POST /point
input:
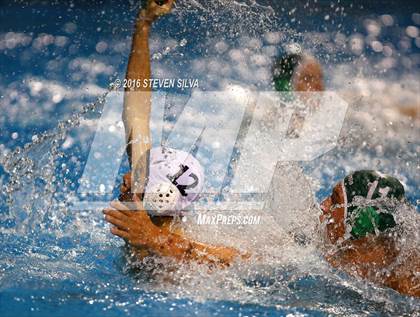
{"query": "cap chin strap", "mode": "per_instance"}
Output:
(345, 203)
(162, 199)
(345, 198)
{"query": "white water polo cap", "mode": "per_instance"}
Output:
(176, 179)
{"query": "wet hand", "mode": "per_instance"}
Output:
(155, 9)
(131, 223)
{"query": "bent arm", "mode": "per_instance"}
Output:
(373, 258)
(183, 248)
(140, 232)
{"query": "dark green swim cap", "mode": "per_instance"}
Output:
(367, 219)
(370, 185)
(283, 70)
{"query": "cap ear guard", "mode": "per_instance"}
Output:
(369, 220)
(162, 199)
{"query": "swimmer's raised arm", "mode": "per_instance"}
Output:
(139, 231)
(137, 98)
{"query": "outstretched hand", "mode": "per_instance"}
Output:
(156, 8)
(134, 225)
(131, 223)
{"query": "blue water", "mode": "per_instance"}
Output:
(65, 262)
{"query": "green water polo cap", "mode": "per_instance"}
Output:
(283, 70)
(371, 216)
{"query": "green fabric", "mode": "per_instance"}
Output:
(386, 221)
(358, 184)
(364, 220)
(283, 70)
(367, 219)
(283, 85)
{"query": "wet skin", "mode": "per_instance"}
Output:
(132, 223)
(363, 257)
(372, 257)
(308, 76)
(333, 214)
(375, 258)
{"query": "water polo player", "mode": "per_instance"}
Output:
(344, 218)
(297, 71)
(166, 181)
(360, 228)
(361, 232)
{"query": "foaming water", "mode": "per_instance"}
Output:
(53, 256)
(34, 176)
(229, 16)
